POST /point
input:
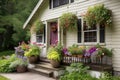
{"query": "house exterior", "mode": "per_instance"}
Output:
(49, 11)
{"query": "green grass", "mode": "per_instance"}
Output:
(5, 53)
(3, 78)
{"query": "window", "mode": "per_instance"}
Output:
(40, 36)
(90, 34)
(57, 3)
(93, 34)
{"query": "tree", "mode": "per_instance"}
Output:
(13, 14)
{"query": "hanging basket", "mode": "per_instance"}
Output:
(68, 21)
(98, 14)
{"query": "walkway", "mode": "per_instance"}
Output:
(25, 76)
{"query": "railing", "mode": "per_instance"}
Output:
(95, 63)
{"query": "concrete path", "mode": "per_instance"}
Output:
(25, 76)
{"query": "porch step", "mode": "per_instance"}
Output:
(48, 66)
(44, 60)
(48, 73)
(46, 69)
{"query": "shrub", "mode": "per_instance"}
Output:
(18, 62)
(76, 71)
(4, 64)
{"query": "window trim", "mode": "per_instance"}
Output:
(82, 35)
(42, 38)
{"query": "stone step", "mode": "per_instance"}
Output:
(41, 71)
(48, 66)
(44, 60)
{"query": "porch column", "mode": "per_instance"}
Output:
(59, 33)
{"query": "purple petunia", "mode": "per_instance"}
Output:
(90, 51)
(65, 51)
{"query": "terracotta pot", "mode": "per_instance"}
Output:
(80, 56)
(33, 59)
(54, 63)
(21, 69)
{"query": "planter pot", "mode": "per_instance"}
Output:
(80, 56)
(33, 59)
(54, 63)
(21, 69)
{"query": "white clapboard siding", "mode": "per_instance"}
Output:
(112, 34)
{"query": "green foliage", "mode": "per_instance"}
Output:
(68, 21)
(108, 76)
(33, 51)
(39, 26)
(5, 53)
(104, 51)
(4, 66)
(3, 78)
(13, 14)
(18, 62)
(75, 49)
(77, 71)
(53, 54)
(98, 14)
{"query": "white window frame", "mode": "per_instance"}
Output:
(42, 37)
(82, 34)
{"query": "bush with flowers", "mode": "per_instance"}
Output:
(76, 50)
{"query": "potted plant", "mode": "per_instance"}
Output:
(75, 50)
(20, 65)
(68, 21)
(54, 57)
(33, 54)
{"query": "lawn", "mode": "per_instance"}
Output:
(3, 78)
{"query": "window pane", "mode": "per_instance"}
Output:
(55, 3)
(90, 36)
(39, 38)
(62, 2)
(102, 33)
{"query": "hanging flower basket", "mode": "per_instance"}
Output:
(98, 14)
(38, 27)
(68, 21)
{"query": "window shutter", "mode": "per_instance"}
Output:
(102, 33)
(50, 4)
(44, 33)
(72, 1)
(79, 30)
(55, 3)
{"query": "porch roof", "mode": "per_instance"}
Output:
(32, 13)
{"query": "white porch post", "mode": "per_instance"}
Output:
(58, 32)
